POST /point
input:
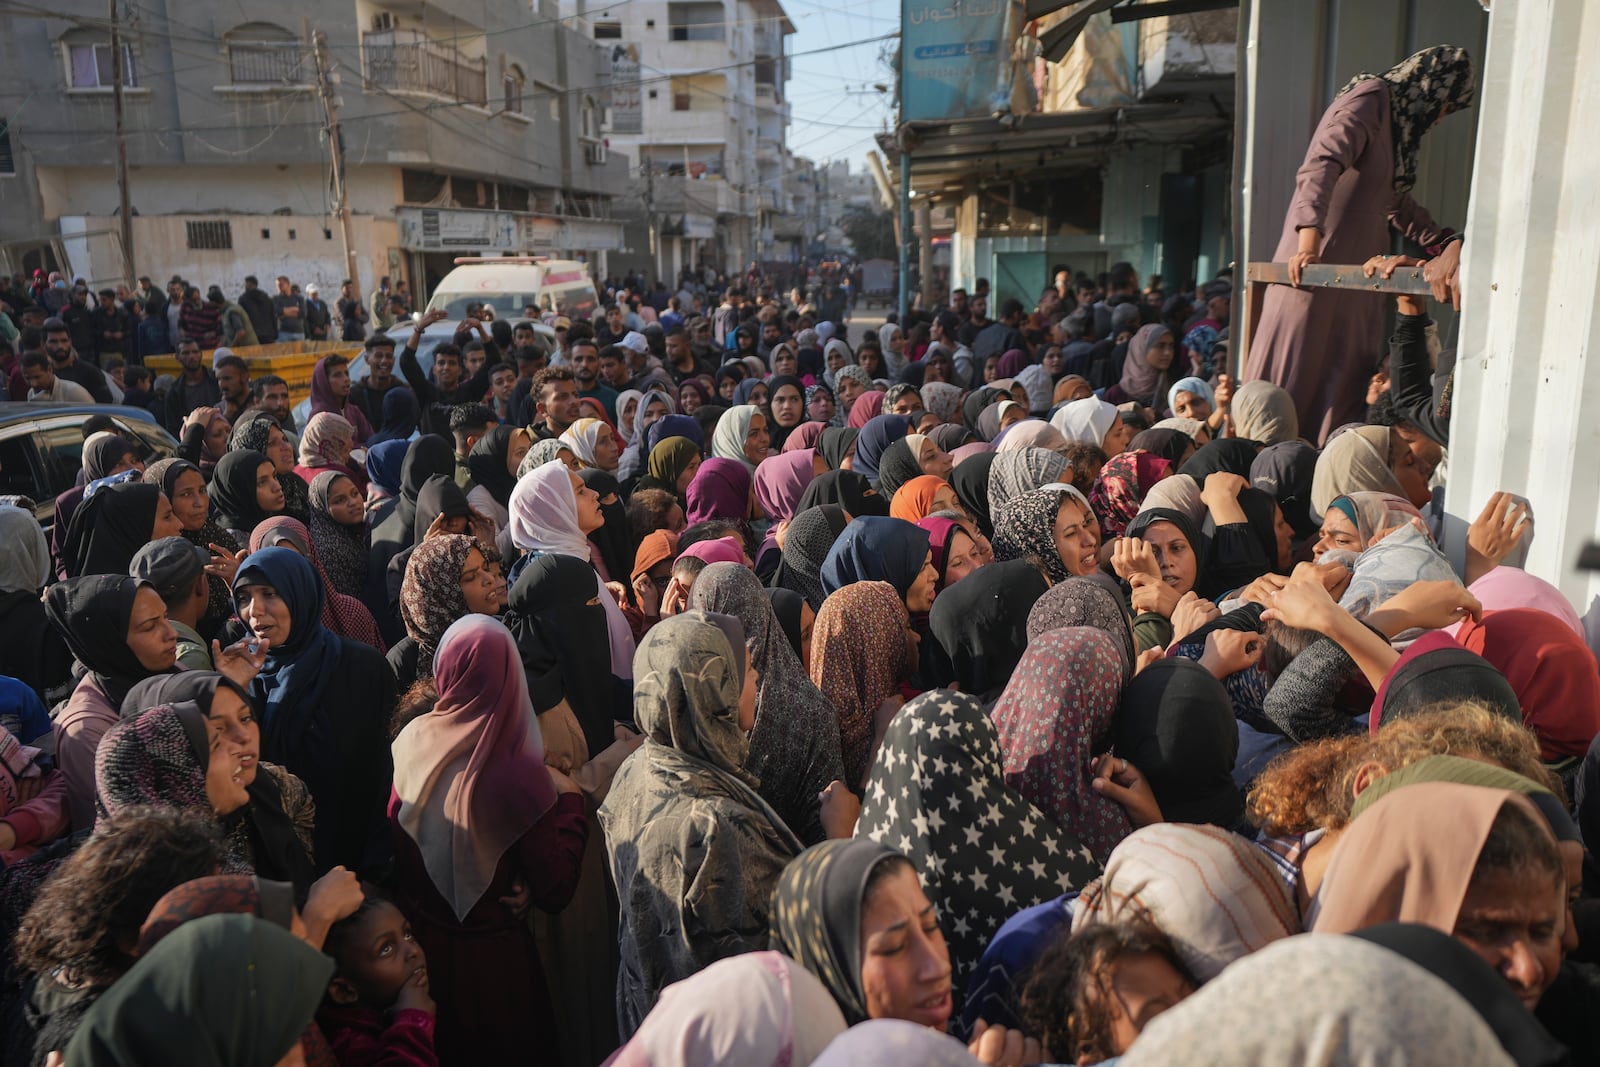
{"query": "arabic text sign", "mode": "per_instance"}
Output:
(951, 57)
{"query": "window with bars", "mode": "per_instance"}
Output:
(89, 66)
(513, 86)
(210, 236)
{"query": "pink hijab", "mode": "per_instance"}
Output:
(470, 773)
(1510, 587)
(806, 435)
(781, 480)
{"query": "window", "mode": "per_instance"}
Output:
(608, 31)
(588, 120)
(513, 88)
(8, 162)
(210, 236)
(260, 53)
(89, 66)
(696, 22)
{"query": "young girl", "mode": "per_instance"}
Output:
(378, 1011)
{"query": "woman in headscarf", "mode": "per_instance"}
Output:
(806, 546)
(1373, 1006)
(673, 465)
(1031, 434)
(1174, 446)
(1179, 554)
(940, 768)
(1396, 558)
(723, 489)
(1014, 473)
(36, 654)
(1054, 718)
(981, 624)
(1450, 855)
(245, 490)
(806, 435)
(1121, 487)
(613, 540)
(1092, 601)
(997, 418)
(116, 628)
(344, 615)
(837, 447)
(1355, 522)
(893, 342)
(956, 550)
(593, 442)
(325, 444)
(788, 407)
(867, 406)
(922, 496)
(256, 431)
(849, 490)
(1228, 455)
(761, 1009)
(753, 391)
(794, 746)
(780, 483)
(393, 526)
(942, 400)
(475, 810)
(1354, 186)
(742, 436)
(1285, 471)
(1147, 370)
(399, 418)
(970, 480)
(384, 464)
(1551, 669)
(861, 648)
(1264, 413)
(852, 912)
(330, 392)
(1053, 528)
(1092, 421)
(190, 740)
(1193, 398)
(339, 531)
(694, 394)
(548, 450)
(493, 461)
(911, 457)
(113, 524)
(221, 989)
(695, 850)
(441, 508)
(1176, 726)
(553, 512)
(627, 405)
(880, 549)
(324, 704)
(185, 485)
(877, 435)
(1179, 493)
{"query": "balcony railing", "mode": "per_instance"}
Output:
(768, 42)
(408, 61)
(268, 63)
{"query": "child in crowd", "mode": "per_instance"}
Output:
(377, 1012)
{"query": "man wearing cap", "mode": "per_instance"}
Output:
(177, 569)
(319, 319)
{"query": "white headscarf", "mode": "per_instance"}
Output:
(581, 437)
(732, 428)
(625, 425)
(1085, 421)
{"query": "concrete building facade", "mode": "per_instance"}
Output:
(467, 129)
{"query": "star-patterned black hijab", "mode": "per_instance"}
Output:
(937, 795)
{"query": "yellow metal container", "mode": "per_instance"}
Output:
(293, 361)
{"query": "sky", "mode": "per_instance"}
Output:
(834, 110)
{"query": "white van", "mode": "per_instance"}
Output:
(512, 283)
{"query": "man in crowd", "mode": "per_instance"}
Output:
(113, 328)
(584, 357)
(352, 315)
(258, 305)
(272, 396)
(998, 338)
(449, 385)
(555, 397)
(977, 321)
(468, 423)
(79, 317)
(319, 319)
(44, 384)
(502, 388)
(682, 363)
(614, 370)
(382, 316)
(196, 387)
(368, 393)
(65, 363)
(233, 378)
(290, 311)
(199, 320)
(235, 328)
(614, 328)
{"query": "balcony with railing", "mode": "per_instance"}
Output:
(768, 40)
(409, 61)
(265, 63)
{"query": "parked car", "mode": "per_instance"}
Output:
(434, 336)
(41, 447)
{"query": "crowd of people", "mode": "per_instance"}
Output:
(732, 690)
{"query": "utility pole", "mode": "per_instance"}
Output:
(124, 207)
(326, 81)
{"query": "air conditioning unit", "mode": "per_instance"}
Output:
(383, 20)
(607, 120)
(594, 152)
